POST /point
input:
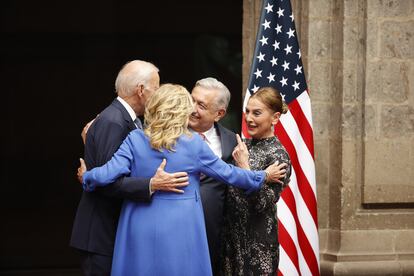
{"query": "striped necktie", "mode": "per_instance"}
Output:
(202, 136)
(137, 122)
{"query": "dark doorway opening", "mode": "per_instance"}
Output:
(59, 60)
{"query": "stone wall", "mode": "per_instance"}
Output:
(359, 62)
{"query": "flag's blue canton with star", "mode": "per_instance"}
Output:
(277, 57)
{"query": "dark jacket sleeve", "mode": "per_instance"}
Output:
(101, 144)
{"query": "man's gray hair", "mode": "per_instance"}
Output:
(213, 84)
(132, 74)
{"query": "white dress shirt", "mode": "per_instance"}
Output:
(213, 141)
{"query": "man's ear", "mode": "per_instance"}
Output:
(220, 114)
(139, 90)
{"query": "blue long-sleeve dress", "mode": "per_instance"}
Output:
(166, 236)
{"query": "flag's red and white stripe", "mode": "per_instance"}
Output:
(297, 209)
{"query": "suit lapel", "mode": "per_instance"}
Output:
(125, 114)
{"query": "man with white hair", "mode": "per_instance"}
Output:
(211, 98)
(96, 220)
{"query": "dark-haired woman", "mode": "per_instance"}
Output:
(250, 236)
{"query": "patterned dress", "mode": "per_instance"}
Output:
(250, 235)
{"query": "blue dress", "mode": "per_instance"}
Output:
(166, 236)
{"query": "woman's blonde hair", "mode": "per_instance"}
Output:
(166, 115)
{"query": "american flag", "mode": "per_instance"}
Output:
(277, 63)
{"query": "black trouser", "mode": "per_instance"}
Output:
(93, 264)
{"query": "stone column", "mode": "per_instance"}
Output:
(359, 62)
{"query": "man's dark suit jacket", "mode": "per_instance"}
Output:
(213, 194)
(97, 217)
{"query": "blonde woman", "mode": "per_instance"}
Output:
(167, 236)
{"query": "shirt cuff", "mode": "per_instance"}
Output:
(151, 192)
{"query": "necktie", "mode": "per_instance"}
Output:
(202, 136)
(137, 122)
